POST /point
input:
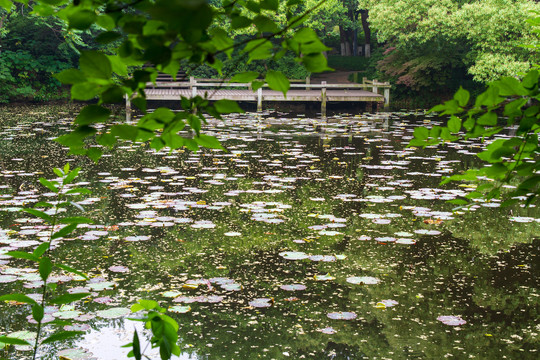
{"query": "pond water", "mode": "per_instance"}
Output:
(302, 241)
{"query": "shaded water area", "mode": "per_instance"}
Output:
(303, 241)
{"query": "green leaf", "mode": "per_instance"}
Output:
(70, 76)
(113, 95)
(277, 81)
(490, 97)
(509, 202)
(71, 176)
(256, 85)
(45, 268)
(227, 106)
(265, 24)
(240, 22)
(106, 139)
(68, 229)
(462, 96)
(71, 270)
(454, 124)
(253, 6)
(421, 133)
(19, 298)
(108, 37)
(62, 335)
(139, 102)
(49, 185)
(489, 118)
(258, 49)
(39, 214)
(37, 312)
(244, 77)
(22, 255)
(315, 63)
(531, 79)
(41, 249)
(6, 5)
(136, 346)
(95, 64)
(92, 114)
(84, 91)
(94, 154)
(12, 341)
(208, 142)
(81, 19)
(146, 304)
(76, 220)
(68, 298)
(270, 4)
(509, 86)
(126, 132)
(458, 202)
(75, 139)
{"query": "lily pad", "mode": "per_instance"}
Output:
(179, 309)
(113, 313)
(326, 277)
(293, 287)
(328, 330)
(293, 255)
(345, 315)
(451, 320)
(75, 354)
(7, 279)
(363, 280)
(261, 302)
(105, 285)
(118, 269)
(68, 314)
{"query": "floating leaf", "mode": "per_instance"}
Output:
(113, 313)
(451, 320)
(363, 280)
(342, 315)
(180, 309)
(294, 255)
(293, 287)
(261, 302)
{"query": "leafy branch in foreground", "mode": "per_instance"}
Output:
(60, 227)
(508, 105)
(164, 331)
(150, 36)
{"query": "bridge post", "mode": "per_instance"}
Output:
(386, 98)
(323, 99)
(192, 86)
(308, 81)
(128, 108)
(259, 100)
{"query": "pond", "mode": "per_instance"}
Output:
(302, 241)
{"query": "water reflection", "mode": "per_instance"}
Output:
(209, 230)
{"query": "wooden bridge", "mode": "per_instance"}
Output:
(368, 91)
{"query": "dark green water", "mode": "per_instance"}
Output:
(216, 230)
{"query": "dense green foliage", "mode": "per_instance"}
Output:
(431, 44)
(512, 161)
(32, 49)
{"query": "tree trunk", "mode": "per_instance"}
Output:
(367, 32)
(343, 41)
(353, 15)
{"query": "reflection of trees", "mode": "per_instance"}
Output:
(455, 273)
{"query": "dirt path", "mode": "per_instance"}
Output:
(335, 77)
